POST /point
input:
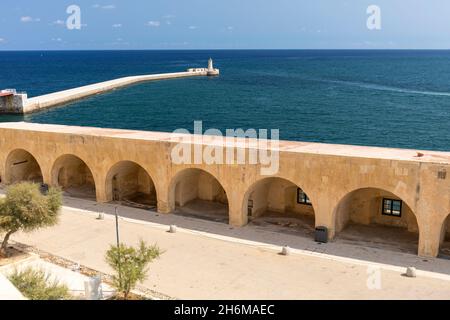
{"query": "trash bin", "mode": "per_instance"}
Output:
(321, 234)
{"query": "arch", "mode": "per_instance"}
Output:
(276, 200)
(20, 166)
(129, 183)
(74, 176)
(378, 218)
(196, 192)
(444, 248)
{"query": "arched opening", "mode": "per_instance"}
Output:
(376, 218)
(196, 193)
(74, 177)
(129, 183)
(281, 205)
(22, 166)
(445, 239)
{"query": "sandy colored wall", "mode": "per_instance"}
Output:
(327, 173)
(74, 173)
(199, 185)
(22, 167)
(293, 206)
(365, 207)
(278, 195)
(259, 198)
(145, 183)
(187, 188)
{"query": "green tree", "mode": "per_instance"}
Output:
(25, 208)
(130, 265)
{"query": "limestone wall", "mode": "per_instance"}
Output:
(365, 206)
(328, 174)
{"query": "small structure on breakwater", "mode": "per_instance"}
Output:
(210, 71)
(14, 102)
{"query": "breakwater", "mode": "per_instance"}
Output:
(19, 103)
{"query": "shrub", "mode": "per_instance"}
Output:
(36, 285)
(130, 265)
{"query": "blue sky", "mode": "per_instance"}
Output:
(228, 24)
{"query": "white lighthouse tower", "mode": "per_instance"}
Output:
(211, 71)
(210, 65)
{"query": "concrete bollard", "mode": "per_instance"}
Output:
(75, 267)
(173, 229)
(411, 272)
(285, 251)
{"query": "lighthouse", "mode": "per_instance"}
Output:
(210, 65)
(211, 71)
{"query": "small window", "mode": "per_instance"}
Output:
(302, 198)
(392, 207)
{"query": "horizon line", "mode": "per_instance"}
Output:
(237, 49)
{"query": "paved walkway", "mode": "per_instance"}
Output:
(211, 260)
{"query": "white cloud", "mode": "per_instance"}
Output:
(230, 28)
(105, 7)
(192, 27)
(2, 40)
(154, 24)
(117, 25)
(26, 19)
(57, 39)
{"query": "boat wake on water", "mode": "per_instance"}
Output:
(387, 88)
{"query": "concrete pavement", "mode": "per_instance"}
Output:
(210, 260)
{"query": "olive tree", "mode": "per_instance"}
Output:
(130, 265)
(26, 208)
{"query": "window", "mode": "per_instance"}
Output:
(302, 198)
(392, 207)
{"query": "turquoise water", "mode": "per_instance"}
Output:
(378, 98)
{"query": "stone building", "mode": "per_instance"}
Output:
(400, 196)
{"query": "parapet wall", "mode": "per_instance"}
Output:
(329, 174)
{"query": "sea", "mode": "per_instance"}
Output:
(389, 98)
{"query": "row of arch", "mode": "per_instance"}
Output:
(194, 190)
